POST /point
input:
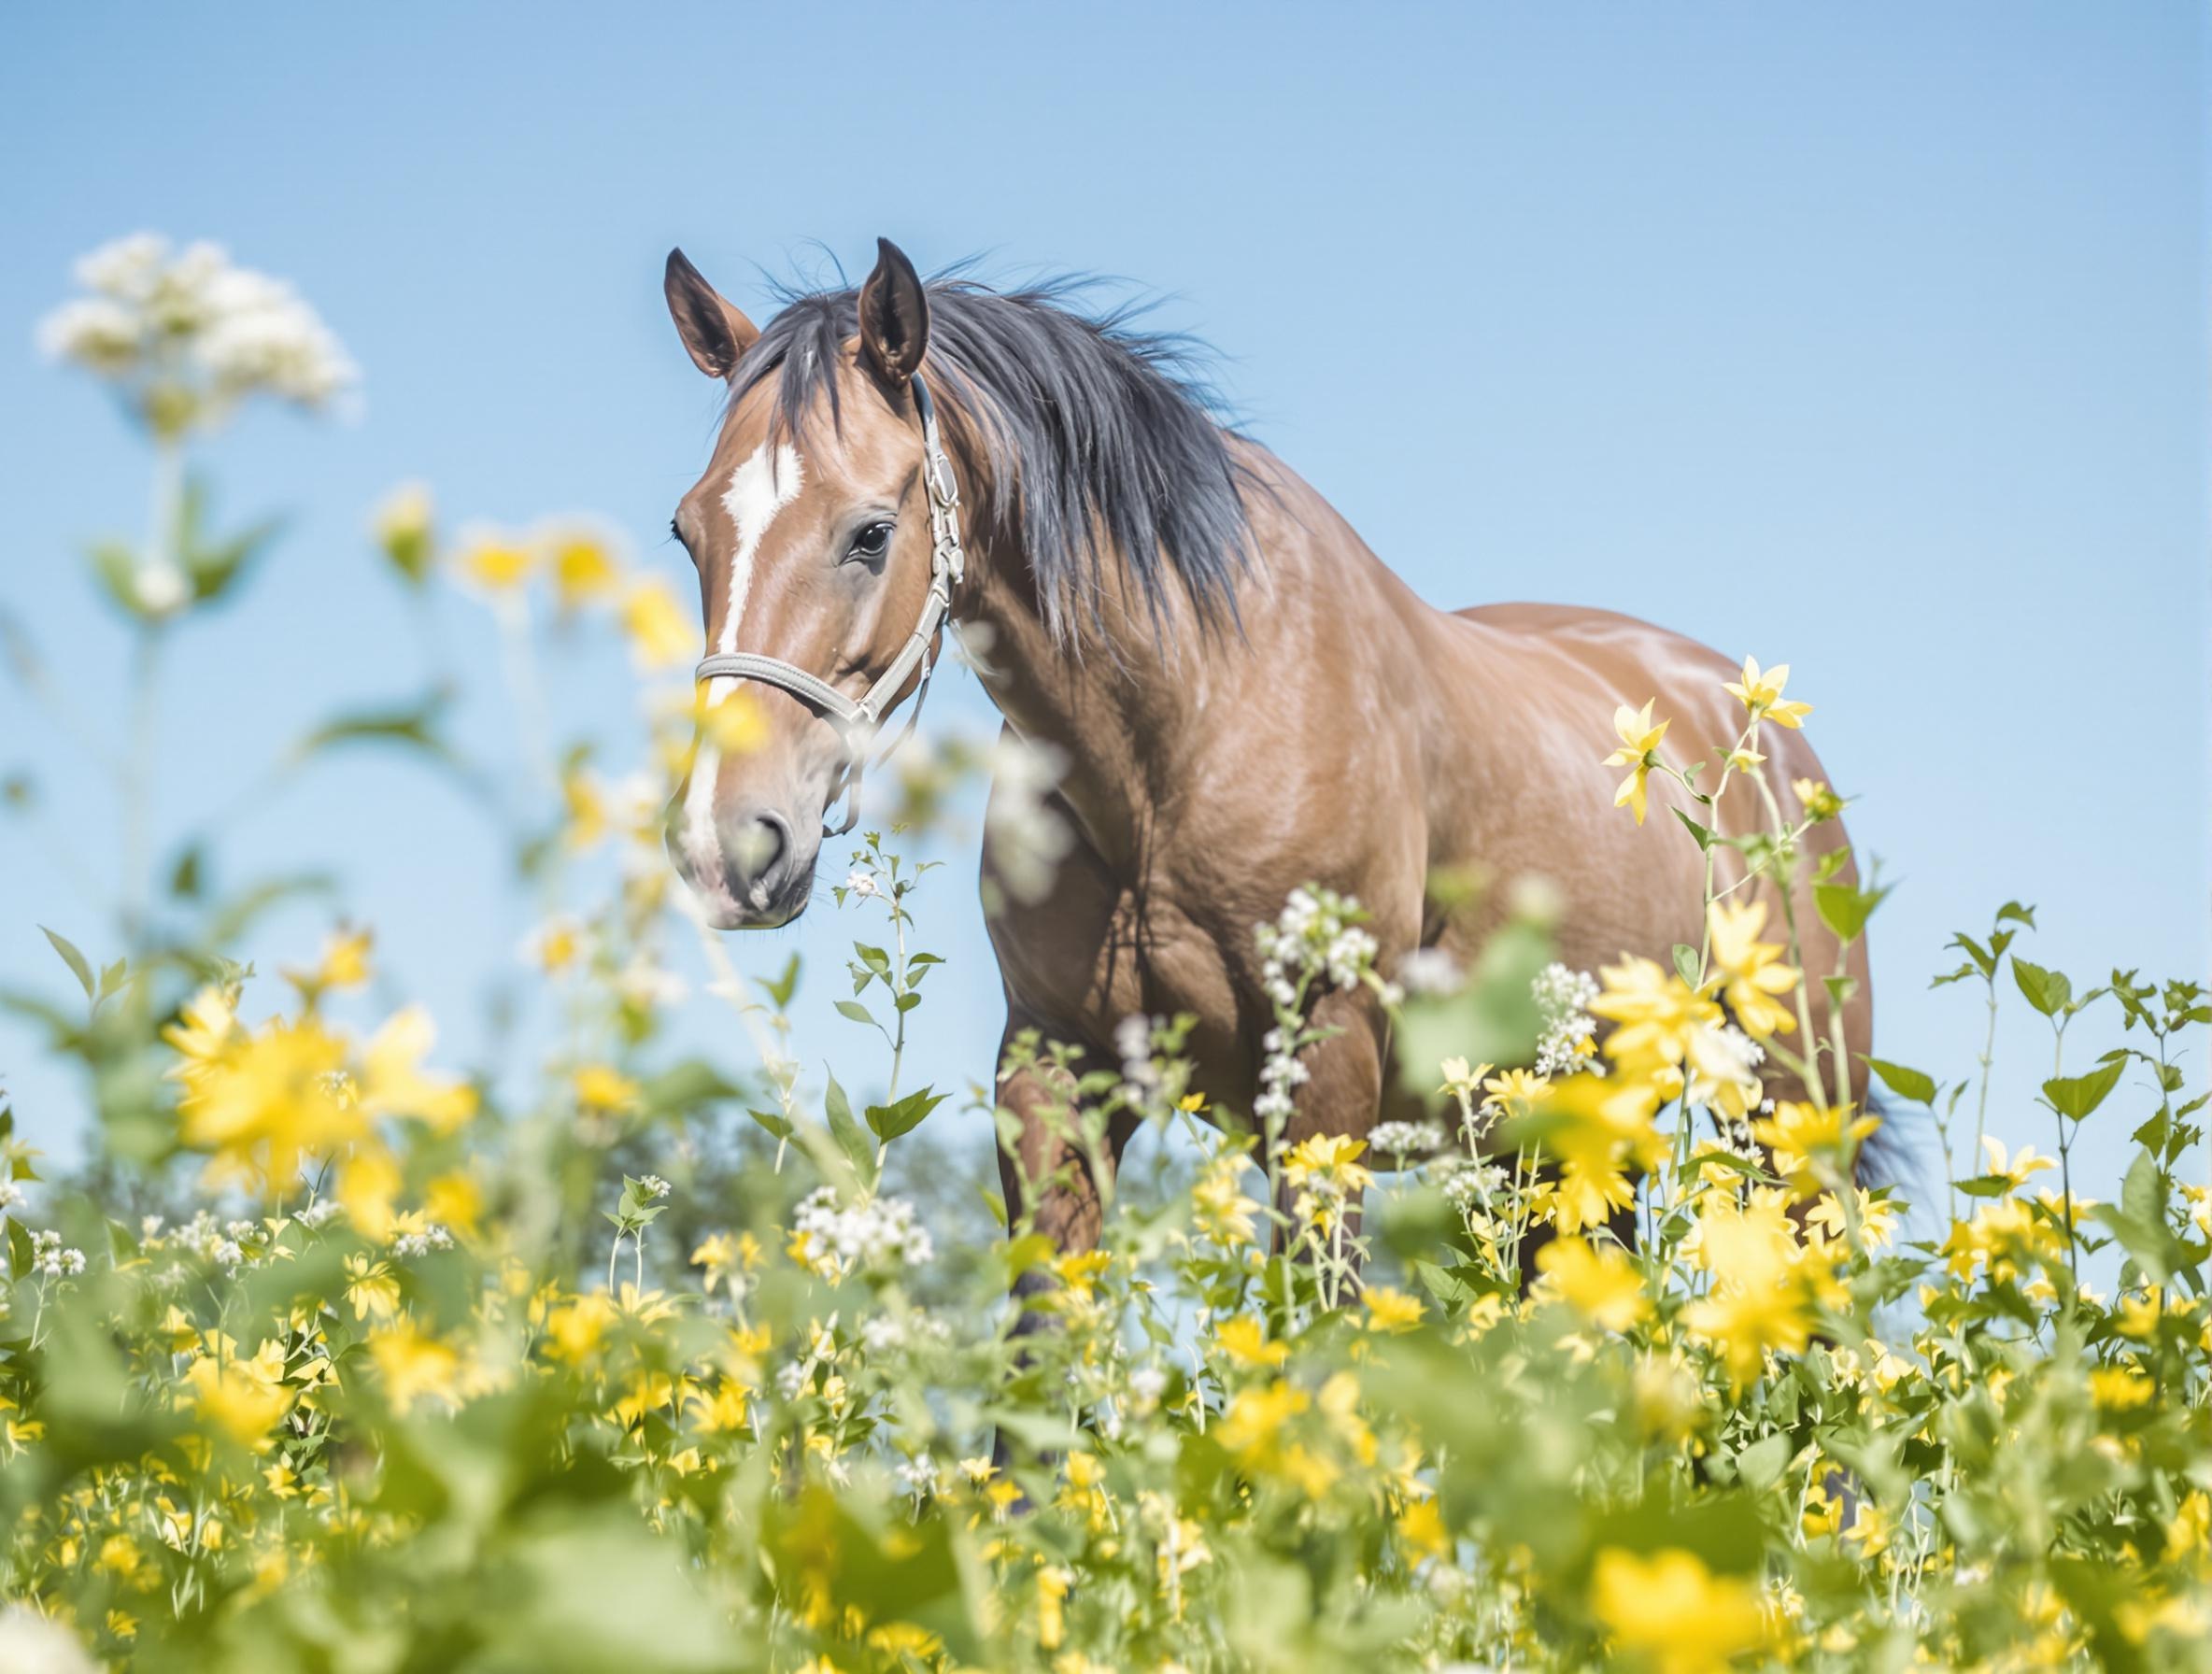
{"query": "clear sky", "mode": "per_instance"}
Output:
(1870, 338)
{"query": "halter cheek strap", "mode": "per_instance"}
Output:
(858, 720)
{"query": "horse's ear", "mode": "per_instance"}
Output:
(715, 331)
(894, 314)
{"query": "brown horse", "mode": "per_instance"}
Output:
(1247, 698)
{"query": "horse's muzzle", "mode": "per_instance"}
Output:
(756, 873)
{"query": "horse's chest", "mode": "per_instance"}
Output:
(1132, 952)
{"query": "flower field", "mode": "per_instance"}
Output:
(342, 1355)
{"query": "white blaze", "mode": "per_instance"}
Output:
(768, 481)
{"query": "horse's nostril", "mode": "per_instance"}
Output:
(759, 845)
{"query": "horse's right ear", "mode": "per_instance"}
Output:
(715, 331)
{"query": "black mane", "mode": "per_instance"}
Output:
(1096, 438)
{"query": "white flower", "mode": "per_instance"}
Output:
(162, 588)
(32, 1644)
(920, 1474)
(1026, 838)
(1406, 1139)
(191, 335)
(861, 884)
(1567, 1042)
(1430, 971)
(879, 1235)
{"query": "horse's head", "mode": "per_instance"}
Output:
(811, 531)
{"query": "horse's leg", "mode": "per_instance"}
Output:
(1343, 1095)
(1050, 1174)
(1052, 1179)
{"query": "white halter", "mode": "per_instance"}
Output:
(858, 719)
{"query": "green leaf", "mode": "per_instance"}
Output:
(213, 567)
(1703, 833)
(75, 960)
(412, 726)
(687, 1086)
(780, 990)
(852, 1139)
(1760, 1465)
(2048, 991)
(1905, 1082)
(2139, 1219)
(1845, 908)
(773, 1121)
(858, 1013)
(888, 1122)
(2075, 1095)
(1685, 963)
(115, 566)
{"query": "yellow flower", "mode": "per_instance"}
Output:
(403, 525)
(1391, 1310)
(1461, 1078)
(1802, 1135)
(735, 725)
(1221, 1208)
(1754, 981)
(1639, 752)
(497, 564)
(1667, 1611)
(587, 809)
(583, 567)
(368, 1186)
(1330, 1161)
(2121, 1388)
(243, 1399)
(1745, 1321)
(371, 1287)
(1421, 1526)
(205, 1027)
(393, 1083)
(455, 1201)
(345, 964)
(415, 1368)
(659, 632)
(1244, 1341)
(574, 1330)
(1761, 694)
(603, 1090)
(1599, 1283)
(267, 1099)
(2013, 1169)
(1818, 800)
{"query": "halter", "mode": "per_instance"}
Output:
(856, 720)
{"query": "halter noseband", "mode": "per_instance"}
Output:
(856, 720)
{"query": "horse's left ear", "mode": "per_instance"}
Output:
(714, 329)
(894, 316)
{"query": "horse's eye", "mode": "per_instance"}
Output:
(871, 542)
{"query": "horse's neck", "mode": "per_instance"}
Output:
(1113, 709)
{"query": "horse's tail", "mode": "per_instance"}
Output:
(1891, 1154)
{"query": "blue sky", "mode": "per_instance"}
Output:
(1871, 339)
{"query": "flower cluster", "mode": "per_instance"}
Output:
(188, 336)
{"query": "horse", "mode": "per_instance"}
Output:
(1246, 698)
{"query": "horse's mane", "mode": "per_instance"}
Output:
(1096, 438)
